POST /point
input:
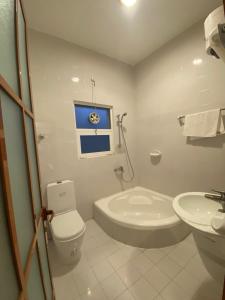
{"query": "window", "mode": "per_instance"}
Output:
(93, 129)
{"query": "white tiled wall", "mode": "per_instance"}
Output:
(169, 84)
(53, 64)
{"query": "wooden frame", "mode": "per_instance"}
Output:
(223, 298)
(22, 275)
(9, 206)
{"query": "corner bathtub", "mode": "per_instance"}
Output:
(141, 218)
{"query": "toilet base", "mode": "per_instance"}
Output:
(68, 252)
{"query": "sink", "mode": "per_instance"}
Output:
(194, 208)
(200, 213)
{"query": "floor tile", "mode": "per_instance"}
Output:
(84, 282)
(196, 268)
(95, 293)
(174, 292)
(101, 252)
(129, 274)
(169, 267)
(92, 229)
(155, 255)
(188, 283)
(126, 296)
(200, 280)
(122, 256)
(211, 289)
(169, 249)
(141, 263)
(65, 288)
(190, 239)
(142, 290)
(183, 253)
(157, 279)
(82, 267)
(212, 267)
(131, 250)
(95, 241)
(102, 270)
(113, 286)
(111, 270)
(119, 244)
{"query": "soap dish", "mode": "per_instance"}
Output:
(156, 153)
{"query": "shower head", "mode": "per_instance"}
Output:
(120, 118)
(123, 115)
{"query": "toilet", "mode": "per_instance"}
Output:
(67, 227)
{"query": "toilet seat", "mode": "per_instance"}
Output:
(67, 226)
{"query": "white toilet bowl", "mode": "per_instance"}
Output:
(67, 227)
(67, 231)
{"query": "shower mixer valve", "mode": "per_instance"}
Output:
(122, 139)
(119, 169)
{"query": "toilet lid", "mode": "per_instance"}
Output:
(67, 226)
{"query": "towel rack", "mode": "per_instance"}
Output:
(181, 117)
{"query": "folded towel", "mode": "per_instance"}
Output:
(204, 124)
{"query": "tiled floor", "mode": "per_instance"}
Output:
(111, 270)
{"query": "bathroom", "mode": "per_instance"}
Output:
(134, 219)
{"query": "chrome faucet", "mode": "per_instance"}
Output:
(119, 170)
(218, 196)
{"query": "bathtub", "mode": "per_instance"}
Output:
(141, 218)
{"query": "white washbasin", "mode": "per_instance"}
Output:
(195, 208)
(208, 226)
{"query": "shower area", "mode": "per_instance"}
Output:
(119, 171)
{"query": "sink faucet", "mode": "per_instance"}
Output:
(218, 196)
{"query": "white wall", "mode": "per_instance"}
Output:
(53, 63)
(168, 85)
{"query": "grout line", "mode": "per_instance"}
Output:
(115, 271)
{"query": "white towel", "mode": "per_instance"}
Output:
(204, 124)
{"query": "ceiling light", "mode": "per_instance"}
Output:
(75, 79)
(197, 61)
(128, 2)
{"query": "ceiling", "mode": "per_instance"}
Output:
(107, 27)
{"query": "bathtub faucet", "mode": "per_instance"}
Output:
(217, 196)
(119, 170)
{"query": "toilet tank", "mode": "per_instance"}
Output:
(61, 196)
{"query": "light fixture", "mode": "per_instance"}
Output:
(197, 61)
(75, 79)
(128, 2)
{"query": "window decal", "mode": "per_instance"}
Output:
(94, 118)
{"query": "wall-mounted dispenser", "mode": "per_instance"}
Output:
(215, 33)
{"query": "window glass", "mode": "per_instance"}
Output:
(82, 113)
(94, 143)
(23, 59)
(8, 65)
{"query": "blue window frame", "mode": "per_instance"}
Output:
(93, 138)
